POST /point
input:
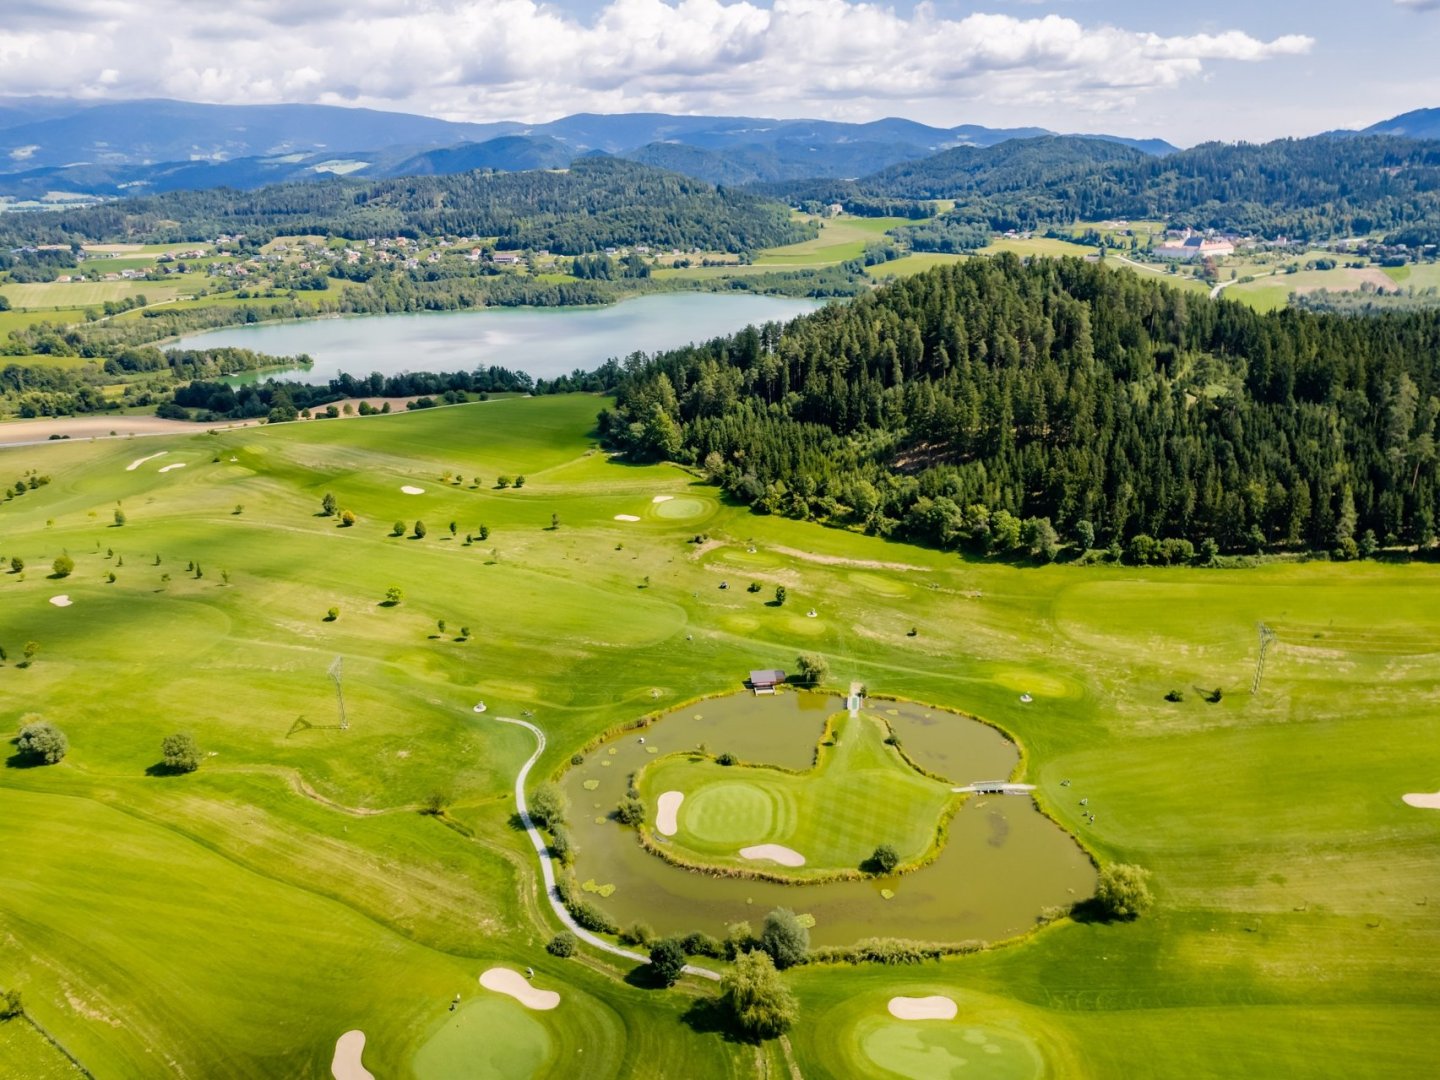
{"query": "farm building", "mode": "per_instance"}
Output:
(764, 682)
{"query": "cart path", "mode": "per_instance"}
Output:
(547, 868)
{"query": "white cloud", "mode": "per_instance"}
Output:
(491, 59)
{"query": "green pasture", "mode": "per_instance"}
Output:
(236, 921)
(841, 238)
(860, 794)
(917, 263)
(82, 294)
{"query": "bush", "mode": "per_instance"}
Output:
(180, 752)
(754, 995)
(631, 811)
(577, 759)
(785, 938)
(562, 944)
(1123, 891)
(42, 742)
(880, 951)
(547, 806)
(667, 961)
(884, 860)
(698, 944)
(561, 846)
(583, 912)
(739, 938)
(1175, 695)
(398, 529)
(637, 933)
(726, 758)
(11, 1005)
(63, 566)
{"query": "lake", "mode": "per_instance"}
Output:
(544, 342)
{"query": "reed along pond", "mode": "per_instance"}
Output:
(1002, 863)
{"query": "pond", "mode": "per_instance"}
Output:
(543, 342)
(1002, 864)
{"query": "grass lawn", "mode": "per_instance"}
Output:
(841, 238)
(81, 294)
(912, 264)
(237, 921)
(831, 815)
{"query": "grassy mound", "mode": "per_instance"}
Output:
(860, 794)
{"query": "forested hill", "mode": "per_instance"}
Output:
(597, 203)
(1301, 188)
(951, 407)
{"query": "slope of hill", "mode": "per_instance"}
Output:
(597, 202)
(1419, 124)
(947, 406)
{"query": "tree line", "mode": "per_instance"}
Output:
(597, 203)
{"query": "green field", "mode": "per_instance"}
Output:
(829, 815)
(73, 294)
(841, 238)
(236, 921)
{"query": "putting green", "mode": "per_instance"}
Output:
(736, 813)
(832, 814)
(682, 508)
(487, 1036)
(932, 1049)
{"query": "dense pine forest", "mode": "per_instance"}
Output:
(597, 203)
(1315, 188)
(1002, 406)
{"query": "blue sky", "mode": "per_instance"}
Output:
(1185, 72)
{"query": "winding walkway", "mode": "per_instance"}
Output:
(547, 868)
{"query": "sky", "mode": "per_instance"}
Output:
(1187, 72)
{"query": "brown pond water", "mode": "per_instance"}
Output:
(1003, 863)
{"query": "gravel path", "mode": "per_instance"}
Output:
(547, 868)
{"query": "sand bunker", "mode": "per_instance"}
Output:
(141, 461)
(345, 1065)
(505, 981)
(775, 853)
(666, 807)
(626, 517)
(935, 1007)
(64, 601)
(177, 465)
(662, 498)
(1423, 801)
(411, 489)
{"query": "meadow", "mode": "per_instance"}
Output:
(236, 921)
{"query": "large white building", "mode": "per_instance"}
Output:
(1194, 247)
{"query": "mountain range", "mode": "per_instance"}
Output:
(50, 145)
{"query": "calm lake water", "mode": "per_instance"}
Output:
(545, 342)
(1002, 864)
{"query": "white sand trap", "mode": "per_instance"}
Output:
(775, 853)
(345, 1065)
(64, 601)
(662, 498)
(505, 981)
(177, 465)
(626, 517)
(935, 1007)
(1423, 801)
(411, 489)
(141, 461)
(666, 808)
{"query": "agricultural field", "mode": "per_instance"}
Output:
(238, 920)
(841, 238)
(54, 295)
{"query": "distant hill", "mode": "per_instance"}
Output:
(1420, 124)
(148, 146)
(598, 202)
